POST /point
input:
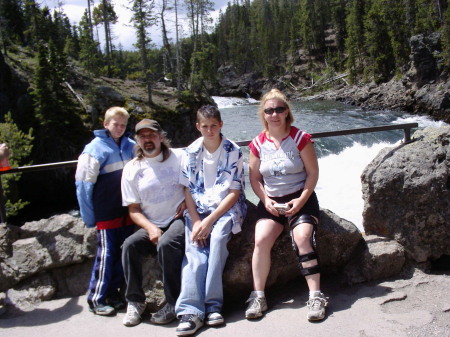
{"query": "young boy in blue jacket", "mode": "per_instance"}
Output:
(98, 178)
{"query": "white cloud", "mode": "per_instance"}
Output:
(123, 31)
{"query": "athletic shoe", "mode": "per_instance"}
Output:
(103, 310)
(214, 318)
(316, 307)
(256, 307)
(165, 315)
(134, 313)
(189, 324)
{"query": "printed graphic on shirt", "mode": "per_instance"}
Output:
(158, 184)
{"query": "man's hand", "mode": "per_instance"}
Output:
(138, 217)
(180, 209)
(154, 233)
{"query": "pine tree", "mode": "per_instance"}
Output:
(166, 44)
(355, 41)
(144, 18)
(427, 17)
(58, 128)
(11, 22)
(446, 39)
(20, 146)
(33, 22)
(104, 14)
(338, 15)
(381, 54)
(198, 16)
(395, 18)
(312, 25)
(89, 54)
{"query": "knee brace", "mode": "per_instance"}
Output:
(308, 256)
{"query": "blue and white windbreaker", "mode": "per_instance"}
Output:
(98, 178)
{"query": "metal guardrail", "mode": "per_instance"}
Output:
(32, 168)
(405, 127)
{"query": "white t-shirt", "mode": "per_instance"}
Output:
(282, 169)
(155, 186)
(210, 163)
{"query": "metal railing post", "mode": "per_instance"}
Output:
(407, 135)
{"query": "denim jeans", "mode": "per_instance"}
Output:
(201, 282)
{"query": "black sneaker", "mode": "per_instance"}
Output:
(189, 324)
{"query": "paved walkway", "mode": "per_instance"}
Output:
(419, 306)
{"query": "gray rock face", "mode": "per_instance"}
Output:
(424, 64)
(406, 195)
(232, 84)
(43, 245)
(383, 258)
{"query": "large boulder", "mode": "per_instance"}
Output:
(406, 195)
(337, 242)
(44, 245)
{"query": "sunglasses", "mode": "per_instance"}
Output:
(278, 110)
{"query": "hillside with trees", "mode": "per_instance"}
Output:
(57, 78)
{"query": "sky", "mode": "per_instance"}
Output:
(123, 30)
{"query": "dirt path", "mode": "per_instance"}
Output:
(417, 306)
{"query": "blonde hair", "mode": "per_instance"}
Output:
(278, 95)
(115, 111)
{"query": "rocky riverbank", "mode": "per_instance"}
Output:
(424, 89)
(432, 99)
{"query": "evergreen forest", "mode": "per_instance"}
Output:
(368, 38)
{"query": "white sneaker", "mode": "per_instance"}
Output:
(189, 324)
(214, 318)
(316, 307)
(134, 313)
(256, 307)
(165, 315)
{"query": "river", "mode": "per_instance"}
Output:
(341, 159)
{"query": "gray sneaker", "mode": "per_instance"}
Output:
(165, 315)
(256, 307)
(316, 307)
(103, 310)
(134, 313)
